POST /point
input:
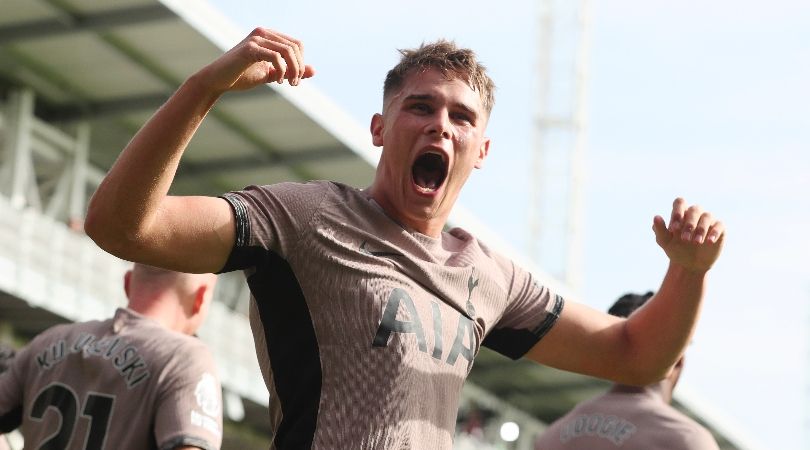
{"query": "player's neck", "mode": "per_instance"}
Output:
(166, 313)
(428, 226)
(661, 389)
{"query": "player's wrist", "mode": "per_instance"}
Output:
(688, 270)
(200, 86)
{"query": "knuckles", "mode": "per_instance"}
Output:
(694, 210)
(260, 31)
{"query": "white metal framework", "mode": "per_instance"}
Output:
(43, 167)
(556, 209)
(47, 261)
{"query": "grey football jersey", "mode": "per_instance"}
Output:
(122, 383)
(365, 331)
(629, 420)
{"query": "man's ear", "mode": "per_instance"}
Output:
(376, 129)
(199, 298)
(482, 153)
(127, 277)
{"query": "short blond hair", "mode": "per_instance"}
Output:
(452, 61)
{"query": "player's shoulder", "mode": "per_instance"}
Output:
(50, 344)
(463, 239)
(297, 197)
(175, 355)
(693, 434)
(66, 330)
(300, 188)
(678, 429)
(334, 192)
(702, 439)
(192, 352)
(190, 363)
(687, 438)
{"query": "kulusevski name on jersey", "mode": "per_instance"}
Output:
(122, 355)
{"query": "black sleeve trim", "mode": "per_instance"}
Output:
(241, 216)
(514, 343)
(187, 441)
(550, 319)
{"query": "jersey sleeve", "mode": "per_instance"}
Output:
(11, 392)
(531, 311)
(270, 218)
(189, 407)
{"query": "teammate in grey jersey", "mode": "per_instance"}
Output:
(366, 314)
(629, 417)
(136, 381)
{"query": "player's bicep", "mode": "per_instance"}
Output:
(189, 234)
(585, 341)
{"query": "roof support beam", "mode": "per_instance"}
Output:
(114, 107)
(190, 168)
(55, 27)
(106, 108)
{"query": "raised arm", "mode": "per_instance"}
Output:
(131, 215)
(643, 348)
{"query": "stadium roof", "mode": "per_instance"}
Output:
(114, 63)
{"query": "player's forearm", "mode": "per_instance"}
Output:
(660, 330)
(128, 200)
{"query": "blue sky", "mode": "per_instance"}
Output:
(706, 100)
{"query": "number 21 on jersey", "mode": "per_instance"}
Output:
(96, 407)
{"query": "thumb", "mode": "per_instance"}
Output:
(309, 71)
(662, 234)
(273, 74)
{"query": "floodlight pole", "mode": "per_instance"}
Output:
(560, 130)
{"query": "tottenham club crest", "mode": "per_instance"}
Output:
(207, 395)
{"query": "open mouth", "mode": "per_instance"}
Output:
(429, 171)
